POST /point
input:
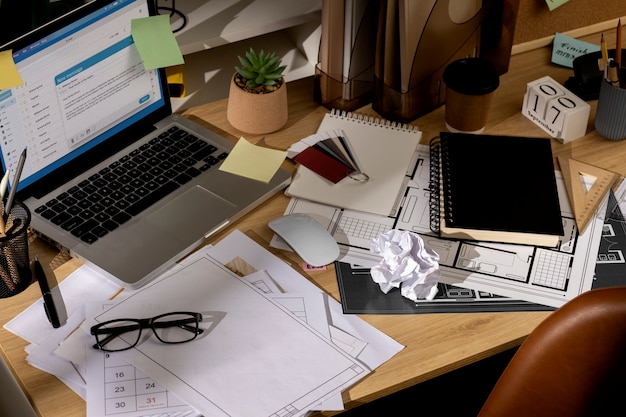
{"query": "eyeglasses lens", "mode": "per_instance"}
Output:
(118, 335)
(176, 327)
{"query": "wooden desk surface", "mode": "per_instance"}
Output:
(435, 343)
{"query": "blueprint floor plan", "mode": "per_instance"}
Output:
(547, 276)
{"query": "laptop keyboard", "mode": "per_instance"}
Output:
(126, 187)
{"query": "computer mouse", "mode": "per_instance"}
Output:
(307, 237)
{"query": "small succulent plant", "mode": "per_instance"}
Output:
(260, 69)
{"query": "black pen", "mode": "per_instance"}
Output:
(52, 300)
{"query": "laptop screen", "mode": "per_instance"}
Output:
(84, 82)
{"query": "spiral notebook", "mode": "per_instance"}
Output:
(494, 188)
(383, 150)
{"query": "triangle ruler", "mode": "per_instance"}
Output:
(584, 200)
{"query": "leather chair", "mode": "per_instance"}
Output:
(572, 364)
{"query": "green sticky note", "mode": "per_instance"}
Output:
(9, 75)
(566, 49)
(155, 42)
(253, 161)
(553, 4)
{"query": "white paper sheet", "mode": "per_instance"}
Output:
(251, 348)
(81, 287)
(43, 356)
(117, 388)
(380, 347)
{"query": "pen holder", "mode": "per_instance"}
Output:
(15, 273)
(610, 121)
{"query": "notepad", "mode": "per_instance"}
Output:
(382, 149)
(494, 188)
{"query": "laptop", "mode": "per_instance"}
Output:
(13, 401)
(111, 174)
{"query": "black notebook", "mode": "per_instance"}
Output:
(494, 188)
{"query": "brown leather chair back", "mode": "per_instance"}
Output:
(572, 364)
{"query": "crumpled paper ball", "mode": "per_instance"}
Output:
(407, 263)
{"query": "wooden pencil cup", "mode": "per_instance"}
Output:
(15, 273)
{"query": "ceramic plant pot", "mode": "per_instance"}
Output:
(257, 113)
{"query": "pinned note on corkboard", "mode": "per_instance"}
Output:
(536, 21)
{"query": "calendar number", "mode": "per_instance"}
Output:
(555, 109)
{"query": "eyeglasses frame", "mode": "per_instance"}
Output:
(146, 323)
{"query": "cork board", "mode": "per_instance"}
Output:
(536, 21)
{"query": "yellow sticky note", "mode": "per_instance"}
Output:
(155, 42)
(9, 75)
(252, 161)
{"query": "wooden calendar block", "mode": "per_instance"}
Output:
(555, 109)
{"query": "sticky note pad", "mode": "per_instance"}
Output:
(9, 75)
(252, 161)
(565, 49)
(155, 42)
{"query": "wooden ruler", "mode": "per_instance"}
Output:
(585, 201)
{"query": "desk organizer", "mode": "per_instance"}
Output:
(610, 121)
(345, 72)
(15, 273)
(402, 48)
(348, 96)
(410, 63)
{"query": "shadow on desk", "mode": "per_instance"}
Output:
(460, 393)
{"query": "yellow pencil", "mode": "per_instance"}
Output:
(605, 51)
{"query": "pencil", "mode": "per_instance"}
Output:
(16, 179)
(605, 52)
(618, 44)
(4, 183)
(613, 74)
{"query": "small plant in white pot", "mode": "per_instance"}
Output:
(257, 100)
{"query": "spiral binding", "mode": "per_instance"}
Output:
(435, 196)
(371, 120)
(448, 205)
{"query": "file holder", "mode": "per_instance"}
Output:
(15, 273)
(344, 74)
(416, 41)
(415, 44)
(343, 95)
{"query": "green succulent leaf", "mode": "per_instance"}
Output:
(273, 77)
(244, 62)
(260, 68)
(252, 58)
(248, 75)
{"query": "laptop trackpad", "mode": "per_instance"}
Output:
(192, 214)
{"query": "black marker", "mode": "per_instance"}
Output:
(52, 300)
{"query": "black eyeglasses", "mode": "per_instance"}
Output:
(121, 334)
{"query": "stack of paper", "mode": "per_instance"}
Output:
(271, 337)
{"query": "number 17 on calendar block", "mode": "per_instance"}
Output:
(555, 109)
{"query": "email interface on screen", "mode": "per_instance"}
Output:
(82, 84)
